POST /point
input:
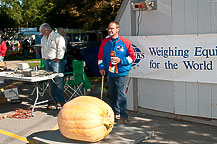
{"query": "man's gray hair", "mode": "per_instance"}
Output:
(117, 24)
(45, 26)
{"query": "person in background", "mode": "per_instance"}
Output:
(34, 49)
(26, 46)
(32, 40)
(61, 31)
(53, 50)
(18, 45)
(115, 58)
(3, 47)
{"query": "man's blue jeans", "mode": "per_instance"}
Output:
(117, 95)
(56, 86)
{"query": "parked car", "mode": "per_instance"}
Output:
(85, 46)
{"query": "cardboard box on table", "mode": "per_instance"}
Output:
(2, 66)
(2, 98)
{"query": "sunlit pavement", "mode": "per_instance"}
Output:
(17, 131)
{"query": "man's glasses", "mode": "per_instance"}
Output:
(110, 29)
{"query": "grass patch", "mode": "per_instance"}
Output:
(33, 60)
(32, 65)
(14, 57)
(20, 57)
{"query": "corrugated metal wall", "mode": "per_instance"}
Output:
(175, 17)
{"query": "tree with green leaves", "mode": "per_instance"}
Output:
(10, 13)
(83, 14)
(33, 13)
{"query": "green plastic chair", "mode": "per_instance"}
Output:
(42, 64)
(77, 82)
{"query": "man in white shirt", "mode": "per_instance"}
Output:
(53, 50)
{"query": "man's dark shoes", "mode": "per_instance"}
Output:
(117, 117)
(52, 105)
(122, 120)
(59, 105)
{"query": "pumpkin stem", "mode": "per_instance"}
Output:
(108, 124)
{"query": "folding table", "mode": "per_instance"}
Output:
(35, 80)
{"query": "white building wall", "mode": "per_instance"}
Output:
(184, 98)
(214, 101)
(174, 17)
(213, 10)
(126, 27)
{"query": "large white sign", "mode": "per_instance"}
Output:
(188, 58)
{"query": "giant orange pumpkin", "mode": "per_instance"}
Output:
(86, 118)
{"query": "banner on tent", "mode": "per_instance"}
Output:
(191, 58)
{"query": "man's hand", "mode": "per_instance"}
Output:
(57, 60)
(115, 60)
(102, 72)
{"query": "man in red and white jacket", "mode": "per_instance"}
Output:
(3, 48)
(115, 58)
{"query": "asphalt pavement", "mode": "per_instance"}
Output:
(166, 130)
